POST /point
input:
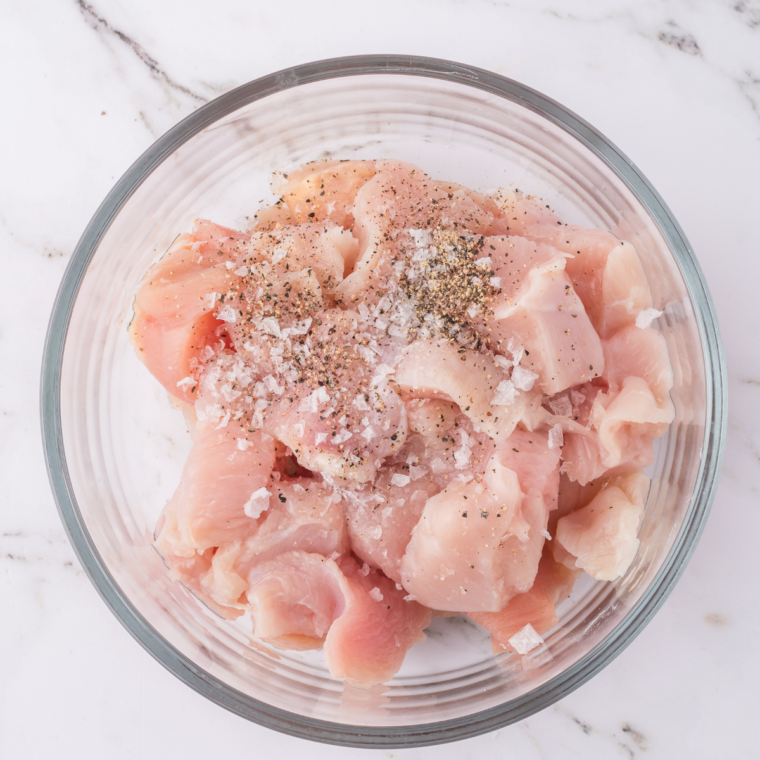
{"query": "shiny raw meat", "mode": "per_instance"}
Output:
(305, 601)
(601, 538)
(478, 542)
(405, 396)
(536, 607)
(550, 319)
(174, 319)
(382, 515)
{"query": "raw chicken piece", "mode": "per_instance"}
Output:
(471, 550)
(175, 304)
(295, 598)
(536, 607)
(605, 272)
(344, 416)
(187, 565)
(562, 347)
(321, 248)
(218, 480)
(300, 515)
(323, 190)
(442, 369)
(602, 536)
(382, 515)
(639, 353)
(302, 601)
(368, 642)
(637, 407)
(625, 290)
(400, 197)
(513, 258)
(527, 453)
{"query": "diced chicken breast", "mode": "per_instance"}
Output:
(382, 515)
(537, 606)
(325, 190)
(297, 515)
(400, 197)
(304, 601)
(368, 642)
(563, 348)
(471, 550)
(218, 480)
(602, 536)
(176, 302)
(444, 370)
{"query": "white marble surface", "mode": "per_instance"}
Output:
(86, 88)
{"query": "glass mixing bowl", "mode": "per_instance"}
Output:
(115, 447)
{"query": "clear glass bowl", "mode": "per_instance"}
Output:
(115, 448)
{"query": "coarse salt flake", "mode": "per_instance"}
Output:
(185, 383)
(258, 503)
(210, 299)
(376, 594)
(504, 394)
(227, 314)
(400, 480)
(646, 317)
(523, 379)
(526, 640)
(556, 439)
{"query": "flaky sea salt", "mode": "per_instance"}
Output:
(186, 383)
(271, 326)
(462, 457)
(438, 466)
(241, 271)
(364, 571)
(415, 473)
(258, 503)
(210, 299)
(421, 237)
(278, 255)
(526, 640)
(227, 314)
(561, 406)
(341, 436)
(502, 361)
(495, 282)
(400, 480)
(523, 379)
(320, 438)
(273, 386)
(545, 533)
(556, 439)
(314, 400)
(516, 350)
(505, 394)
(646, 317)
(243, 444)
(376, 594)
(298, 429)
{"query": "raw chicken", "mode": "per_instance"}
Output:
(535, 607)
(601, 538)
(405, 396)
(305, 601)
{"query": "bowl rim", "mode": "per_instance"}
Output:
(414, 735)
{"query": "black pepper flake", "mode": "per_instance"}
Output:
(464, 514)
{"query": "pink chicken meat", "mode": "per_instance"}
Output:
(407, 397)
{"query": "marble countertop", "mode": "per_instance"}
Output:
(87, 87)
